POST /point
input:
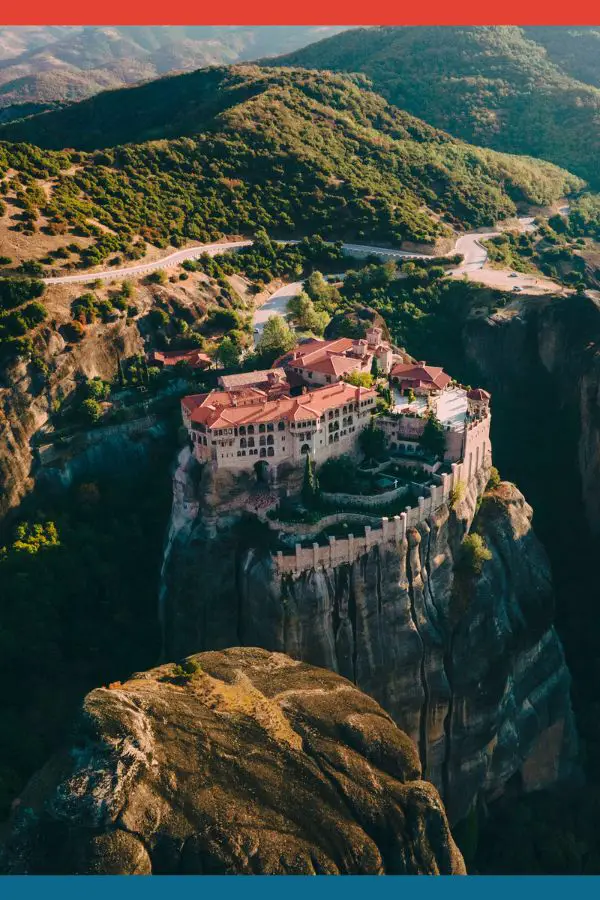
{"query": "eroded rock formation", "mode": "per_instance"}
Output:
(469, 665)
(251, 763)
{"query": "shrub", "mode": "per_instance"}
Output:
(158, 318)
(359, 379)
(457, 494)
(74, 331)
(91, 411)
(474, 553)
(158, 277)
(338, 474)
(494, 479)
(433, 439)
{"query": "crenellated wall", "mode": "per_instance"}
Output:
(347, 550)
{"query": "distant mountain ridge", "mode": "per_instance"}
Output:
(510, 88)
(58, 64)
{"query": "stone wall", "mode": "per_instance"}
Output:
(347, 550)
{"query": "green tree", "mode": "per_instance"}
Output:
(338, 474)
(277, 338)
(375, 367)
(359, 379)
(307, 318)
(433, 439)
(310, 483)
(372, 441)
(228, 353)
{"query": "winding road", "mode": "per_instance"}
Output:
(468, 245)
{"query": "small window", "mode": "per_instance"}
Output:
(281, 426)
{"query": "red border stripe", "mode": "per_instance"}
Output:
(309, 12)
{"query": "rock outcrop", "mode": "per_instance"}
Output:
(469, 665)
(26, 401)
(240, 762)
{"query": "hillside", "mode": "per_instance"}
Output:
(226, 150)
(509, 88)
(48, 65)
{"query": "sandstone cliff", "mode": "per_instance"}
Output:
(242, 762)
(470, 667)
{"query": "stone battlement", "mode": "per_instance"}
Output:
(393, 531)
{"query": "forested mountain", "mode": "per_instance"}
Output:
(513, 89)
(53, 64)
(575, 49)
(225, 150)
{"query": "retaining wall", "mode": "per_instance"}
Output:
(347, 550)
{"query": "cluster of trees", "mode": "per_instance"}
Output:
(311, 153)
(466, 80)
(18, 316)
(553, 249)
(78, 593)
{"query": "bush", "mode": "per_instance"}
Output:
(359, 379)
(457, 494)
(74, 331)
(91, 411)
(158, 277)
(158, 318)
(338, 474)
(494, 479)
(474, 553)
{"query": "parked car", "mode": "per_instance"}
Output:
(517, 289)
(513, 275)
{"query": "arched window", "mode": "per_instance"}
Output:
(270, 440)
(251, 442)
(263, 451)
(281, 426)
(305, 449)
(250, 429)
(270, 426)
(270, 451)
(242, 429)
(261, 429)
(242, 442)
(262, 441)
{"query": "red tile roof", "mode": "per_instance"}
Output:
(310, 351)
(478, 394)
(241, 379)
(223, 409)
(422, 373)
(194, 358)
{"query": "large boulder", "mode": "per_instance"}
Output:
(236, 762)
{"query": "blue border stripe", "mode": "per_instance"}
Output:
(297, 887)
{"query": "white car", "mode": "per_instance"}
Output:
(517, 289)
(513, 275)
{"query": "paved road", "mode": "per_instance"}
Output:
(469, 245)
(175, 259)
(167, 262)
(274, 306)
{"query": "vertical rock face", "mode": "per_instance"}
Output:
(469, 666)
(242, 762)
(26, 406)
